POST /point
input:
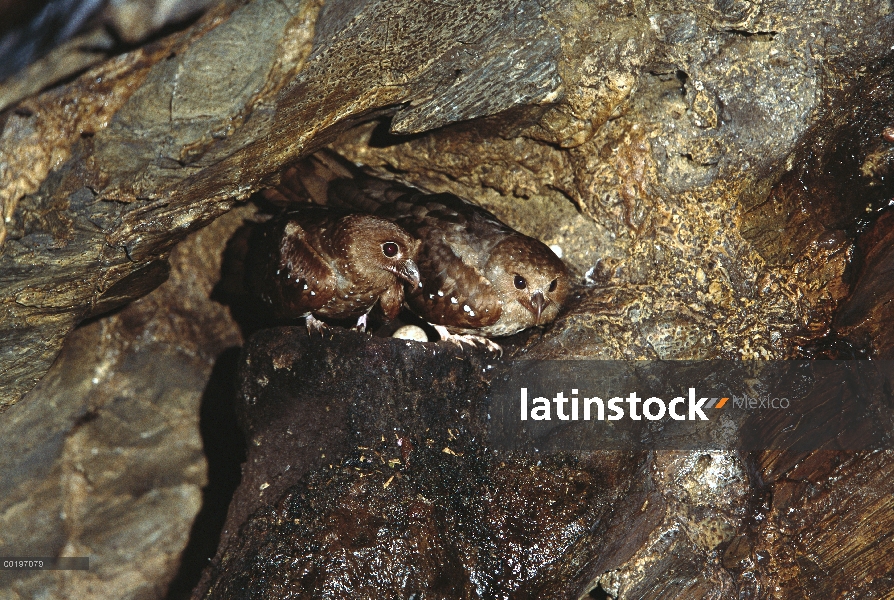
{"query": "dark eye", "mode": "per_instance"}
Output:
(390, 249)
(553, 284)
(520, 282)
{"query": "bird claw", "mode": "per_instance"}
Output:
(314, 325)
(491, 345)
(472, 340)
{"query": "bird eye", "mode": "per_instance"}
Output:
(389, 249)
(520, 282)
(553, 284)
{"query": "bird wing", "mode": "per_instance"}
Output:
(455, 236)
(306, 278)
(454, 293)
(280, 263)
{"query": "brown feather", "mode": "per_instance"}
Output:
(314, 261)
(471, 264)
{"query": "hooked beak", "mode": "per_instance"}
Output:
(408, 272)
(537, 304)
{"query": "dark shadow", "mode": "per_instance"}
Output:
(834, 347)
(224, 448)
(231, 291)
(31, 30)
(599, 593)
(381, 136)
(18, 14)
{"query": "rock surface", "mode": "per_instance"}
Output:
(45, 43)
(372, 470)
(867, 316)
(369, 473)
(654, 121)
(109, 461)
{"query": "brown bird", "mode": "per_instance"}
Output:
(479, 276)
(317, 263)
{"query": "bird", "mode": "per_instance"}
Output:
(479, 277)
(319, 263)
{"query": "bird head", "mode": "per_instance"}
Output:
(528, 275)
(374, 245)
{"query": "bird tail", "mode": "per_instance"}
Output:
(329, 179)
(308, 180)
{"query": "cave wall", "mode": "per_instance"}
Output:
(707, 169)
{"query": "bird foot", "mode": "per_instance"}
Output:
(361, 323)
(314, 325)
(472, 340)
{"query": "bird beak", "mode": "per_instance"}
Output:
(537, 304)
(409, 273)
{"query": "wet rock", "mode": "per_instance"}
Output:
(824, 526)
(837, 184)
(369, 473)
(866, 319)
(372, 470)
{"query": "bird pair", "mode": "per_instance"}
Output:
(469, 275)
